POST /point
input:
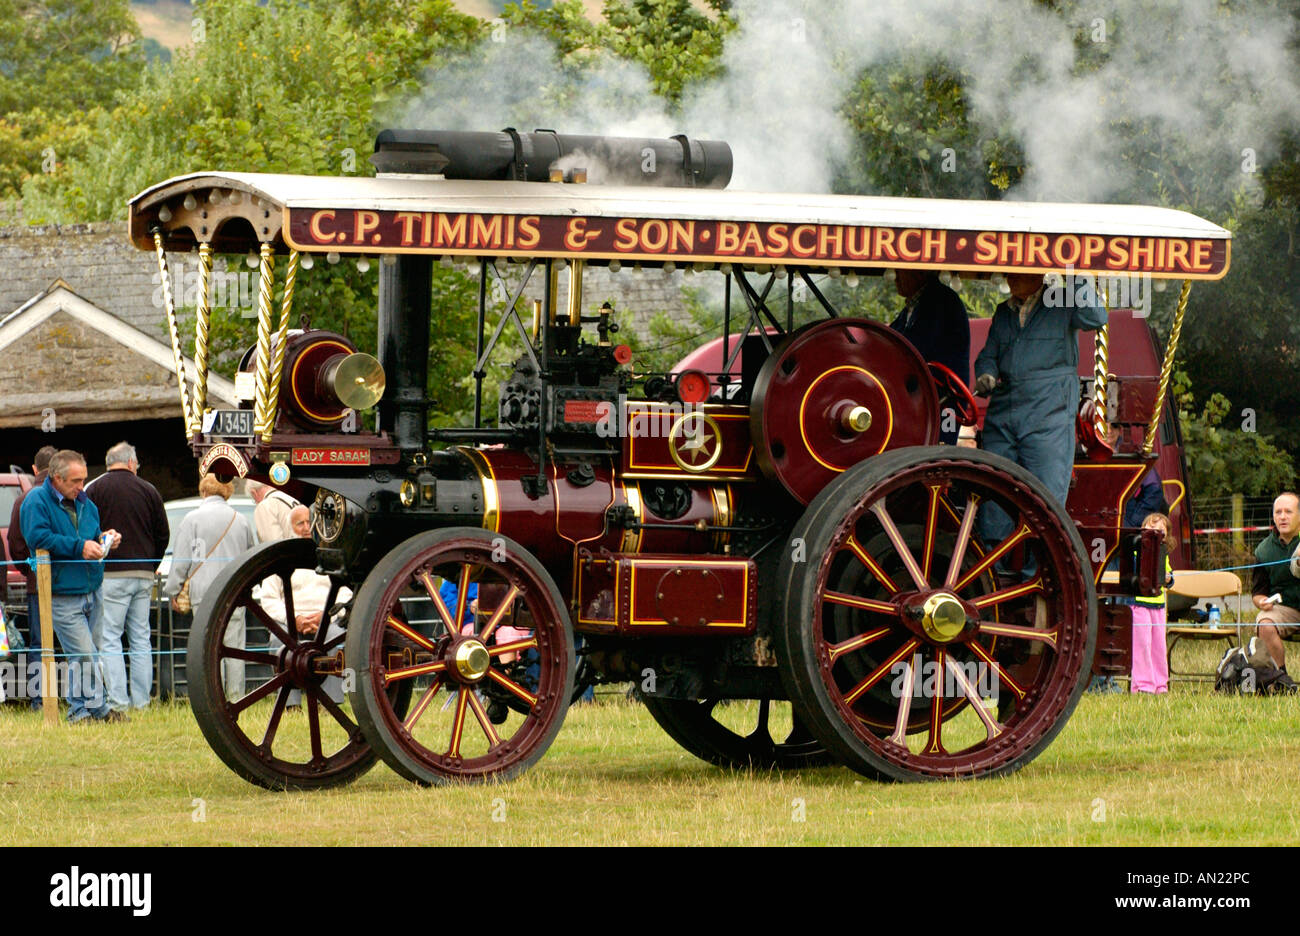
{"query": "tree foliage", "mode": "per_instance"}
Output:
(1223, 459)
(61, 62)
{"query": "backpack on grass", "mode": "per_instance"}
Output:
(1248, 670)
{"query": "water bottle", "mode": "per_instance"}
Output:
(1214, 615)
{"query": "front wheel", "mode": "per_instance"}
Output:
(940, 617)
(493, 603)
(267, 698)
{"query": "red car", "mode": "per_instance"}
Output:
(12, 486)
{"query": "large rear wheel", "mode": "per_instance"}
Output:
(917, 645)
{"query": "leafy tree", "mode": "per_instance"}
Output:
(61, 61)
(914, 137)
(294, 88)
(1223, 460)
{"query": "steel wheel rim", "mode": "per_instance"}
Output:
(291, 669)
(467, 560)
(1044, 687)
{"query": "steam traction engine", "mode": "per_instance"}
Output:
(780, 528)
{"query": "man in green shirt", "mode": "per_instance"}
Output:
(1278, 619)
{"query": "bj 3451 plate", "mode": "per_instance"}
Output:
(229, 423)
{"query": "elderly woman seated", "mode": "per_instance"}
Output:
(310, 592)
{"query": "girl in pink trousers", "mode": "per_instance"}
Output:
(1150, 660)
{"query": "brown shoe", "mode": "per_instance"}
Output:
(115, 716)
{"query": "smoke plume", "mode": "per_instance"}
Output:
(1148, 100)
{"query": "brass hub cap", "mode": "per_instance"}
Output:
(471, 659)
(942, 617)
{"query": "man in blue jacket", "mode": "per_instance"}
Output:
(57, 516)
(1029, 369)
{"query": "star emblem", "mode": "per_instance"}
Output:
(695, 442)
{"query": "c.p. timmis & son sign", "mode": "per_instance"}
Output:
(811, 244)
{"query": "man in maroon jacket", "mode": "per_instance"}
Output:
(19, 552)
(134, 508)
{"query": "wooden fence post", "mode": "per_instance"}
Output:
(49, 675)
(1238, 521)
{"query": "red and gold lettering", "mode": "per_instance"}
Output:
(654, 235)
(1093, 245)
(485, 231)
(1144, 251)
(728, 237)
(1011, 244)
(529, 235)
(830, 241)
(885, 244)
(577, 237)
(450, 233)
(625, 234)
(407, 220)
(778, 239)
(797, 238)
(752, 241)
(1036, 251)
(859, 243)
(986, 247)
(1178, 254)
(1067, 250)
(318, 234)
(1201, 255)
(936, 246)
(1117, 254)
(364, 223)
(910, 254)
(682, 234)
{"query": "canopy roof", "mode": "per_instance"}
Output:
(235, 212)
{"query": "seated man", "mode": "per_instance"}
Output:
(1276, 577)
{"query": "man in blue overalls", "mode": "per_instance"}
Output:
(1029, 368)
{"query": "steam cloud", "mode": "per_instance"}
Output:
(1185, 86)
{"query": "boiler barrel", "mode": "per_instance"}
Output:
(529, 157)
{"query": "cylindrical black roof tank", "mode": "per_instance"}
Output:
(530, 157)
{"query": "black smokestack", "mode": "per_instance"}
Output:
(530, 157)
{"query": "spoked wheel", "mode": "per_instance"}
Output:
(262, 701)
(456, 729)
(739, 732)
(917, 646)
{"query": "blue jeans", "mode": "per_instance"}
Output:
(126, 608)
(74, 620)
(34, 649)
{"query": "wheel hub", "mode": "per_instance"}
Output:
(470, 659)
(943, 617)
(299, 663)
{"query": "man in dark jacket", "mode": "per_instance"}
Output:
(934, 320)
(134, 508)
(58, 517)
(19, 552)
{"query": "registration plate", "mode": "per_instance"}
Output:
(230, 423)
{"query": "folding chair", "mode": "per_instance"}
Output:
(1193, 584)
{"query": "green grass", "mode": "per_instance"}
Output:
(1187, 768)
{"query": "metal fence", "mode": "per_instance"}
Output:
(1227, 529)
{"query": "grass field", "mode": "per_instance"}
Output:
(1187, 768)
